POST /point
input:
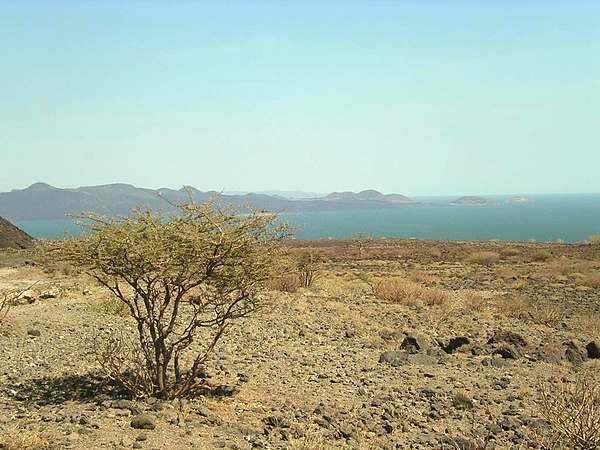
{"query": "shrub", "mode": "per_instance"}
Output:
(591, 280)
(308, 266)
(400, 290)
(183, 281)
(483, 258)
(285, 282)
(511, 252)
(541, 256)
(397, 290)
(573, 411)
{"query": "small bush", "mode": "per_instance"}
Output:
(483, 258)
(308, 266)
(573, 411)
(19, 438)
(512, 305)
(474, 301)
(397, 290)
(541, 256)
(287, 282)
(110, 305)
(551, 316)
(400, 290)
(511, 252)
(425, 278)
(591, 280)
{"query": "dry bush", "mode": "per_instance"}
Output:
(110, 305)
(184, 279)
(434, 297)
(587, 323)
(561, 266)
(397, 290)
(541, 256)
(473, 301)
(308, 266)
(6, 300)
(550, 315)
(511, 252)
(428, 279)
(19, 438)
(484, 258)
(287, 282)
(401, 290)
(591, 280)
(573, 411)
(512, 305)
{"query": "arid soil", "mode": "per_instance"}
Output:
(397, 344)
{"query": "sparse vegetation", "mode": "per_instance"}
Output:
(573, 410)
(485, 258)
(183, 281)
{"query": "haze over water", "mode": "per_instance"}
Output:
(548, 218)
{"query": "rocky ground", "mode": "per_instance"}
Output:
(397, 344)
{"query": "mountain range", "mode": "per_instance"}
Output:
(40, 201)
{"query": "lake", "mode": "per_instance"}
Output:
(547, 218)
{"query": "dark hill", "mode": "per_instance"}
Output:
(13, 237)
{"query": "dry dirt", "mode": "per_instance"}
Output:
(398, 344)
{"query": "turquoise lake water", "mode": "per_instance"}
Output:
(571, 218)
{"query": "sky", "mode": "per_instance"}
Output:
(415, 97)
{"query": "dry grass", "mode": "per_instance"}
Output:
(573, 410)
(473, 301)
(512, 305)
(541, 256)
(511, 252)
(401, 290)
(19, 438)
(588, 323)
(549, 315)
(111, 305)
(506, 273)
(428, 279)
(591, 280)
(485, 258)
(289, 282)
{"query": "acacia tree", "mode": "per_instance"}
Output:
(184, 278)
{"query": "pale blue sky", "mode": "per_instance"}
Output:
(415, 97)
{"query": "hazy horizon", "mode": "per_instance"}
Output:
(316, 194)
(417, 98)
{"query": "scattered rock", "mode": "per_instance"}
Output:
(575, 352)
(508, 337)
(34, 333)
(414, 344)
(456, 343)
(593, 350)
(225, 390)
(143, 422)
(394, 358)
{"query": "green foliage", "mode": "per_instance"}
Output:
(183, 280)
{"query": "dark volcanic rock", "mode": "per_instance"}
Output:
(593, 350)
(508, 337)
(414, 344)
(456, 343)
